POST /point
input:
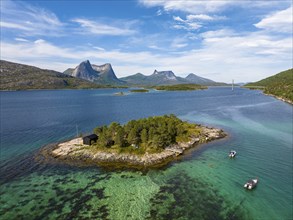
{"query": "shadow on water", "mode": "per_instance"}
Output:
(18, 167)
(183, 197)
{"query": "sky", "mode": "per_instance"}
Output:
(244, 40)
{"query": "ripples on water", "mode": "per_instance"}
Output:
(205, 184)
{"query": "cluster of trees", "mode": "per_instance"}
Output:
(180, 87)
(154, 133)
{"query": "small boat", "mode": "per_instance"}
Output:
(232, 153)
(250, 184)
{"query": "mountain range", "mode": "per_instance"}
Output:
(16, 76)
(168, 78)
(104, 74)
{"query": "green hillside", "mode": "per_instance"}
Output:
(23, 77)
(280, 85)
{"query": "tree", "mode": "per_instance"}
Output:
(144, 136)
(98, 130)
(158, 141)
(113, 128)
(132, 138)
(119, 137)
(151, 133)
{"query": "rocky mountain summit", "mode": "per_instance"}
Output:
(100, 74)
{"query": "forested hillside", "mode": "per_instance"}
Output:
(280, 85)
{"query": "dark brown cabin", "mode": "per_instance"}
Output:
(88, 140)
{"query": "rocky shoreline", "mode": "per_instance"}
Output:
(73, 152)
(280, 98)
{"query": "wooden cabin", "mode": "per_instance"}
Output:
(88, 140)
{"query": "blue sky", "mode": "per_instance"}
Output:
(222, 40)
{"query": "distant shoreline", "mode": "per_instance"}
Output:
(73, 152)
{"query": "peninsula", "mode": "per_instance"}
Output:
(150, 142)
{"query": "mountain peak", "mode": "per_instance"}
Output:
(168, 75)
(84, 71)
(191, 75)
(86, 61)
(198, 80)
(101, 74)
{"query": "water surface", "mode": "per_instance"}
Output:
(204, 184)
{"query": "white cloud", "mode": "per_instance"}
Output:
(21, 39)
(98, 28)
(29, 20)
(208, 6)
(4, 24)
(280, 21)
(177, 18)
(188, 6)
(99, 48)
(199, 17)
(159, 12)
(194, 22)
(185, 24)
(205, 17)
(178, 43)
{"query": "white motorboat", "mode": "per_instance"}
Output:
(250, 184)
(232, 153)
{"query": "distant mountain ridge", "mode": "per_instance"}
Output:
(15, 76)
(105, 75)
(99, 74)
(167, 78)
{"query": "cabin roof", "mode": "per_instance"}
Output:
(91, 136)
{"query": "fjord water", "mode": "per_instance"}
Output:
(203, 184)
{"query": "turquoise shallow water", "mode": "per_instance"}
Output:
(203, 184)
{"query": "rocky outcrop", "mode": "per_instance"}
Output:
(75, 152)
(85, 71)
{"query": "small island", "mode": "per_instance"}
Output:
(139, 90)
(149, 142)
(180, 87)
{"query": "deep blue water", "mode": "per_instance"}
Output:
(259, 127)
